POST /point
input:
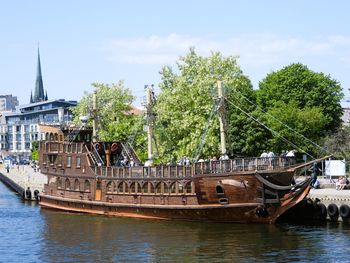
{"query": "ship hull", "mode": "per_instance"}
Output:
(225, 213)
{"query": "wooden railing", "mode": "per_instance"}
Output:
(170, 171)
(210, 167)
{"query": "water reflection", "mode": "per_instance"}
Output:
(31, 234)
(82, 238)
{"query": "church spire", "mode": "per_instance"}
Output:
(31, 97)
(39, 87)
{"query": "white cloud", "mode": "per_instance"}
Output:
(253, 49)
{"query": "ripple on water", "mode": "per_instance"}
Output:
(34, 235)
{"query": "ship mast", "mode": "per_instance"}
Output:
(221, 110)
(149, 117)
(94, 120)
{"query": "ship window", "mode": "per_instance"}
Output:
(115, 188)
(181, 188)
(121, 188)
(159, 188)
(145, 188)
(109, 187)
(166, 189)
(151, 188)
(126, 188)
(132, 188)
(219, 189)
(78, 161)
(189, 188)
(173, 188)
(67, 184)
(59, 183)
(69, 161)
(87, 186)
(52, 158)
(76, 185)
(139, 189)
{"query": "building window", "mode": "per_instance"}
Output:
(18, 146)
(78, 161)
(18, 128)
(69, 161)
(27, 146)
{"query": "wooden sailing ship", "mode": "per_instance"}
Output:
(83, 177)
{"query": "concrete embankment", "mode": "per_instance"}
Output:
(24, 180)
(334, 204)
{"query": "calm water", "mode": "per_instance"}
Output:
(31, 234)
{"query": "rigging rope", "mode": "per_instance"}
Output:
(285, 125)
(266, 127)
(204, 134)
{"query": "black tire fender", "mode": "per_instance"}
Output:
(321, 210)
(344, 211)
(333, 211)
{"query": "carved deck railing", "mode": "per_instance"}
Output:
(167, 171)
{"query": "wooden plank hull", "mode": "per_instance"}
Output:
(226, 213)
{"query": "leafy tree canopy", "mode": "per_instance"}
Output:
(186, 123)
(299, 86)
(339, 143)
(306, 101)
(115, 122)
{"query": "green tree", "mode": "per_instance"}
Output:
(338, 143)
(115, 122)
(306, 101)
(35, 151)
(184, 107)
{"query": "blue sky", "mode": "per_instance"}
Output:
(106, 41)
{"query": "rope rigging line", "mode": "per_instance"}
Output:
(285, 125)
(266, 127)
(204, 134)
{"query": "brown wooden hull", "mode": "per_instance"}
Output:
(226, 213)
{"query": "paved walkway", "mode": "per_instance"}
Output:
(25, 177)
